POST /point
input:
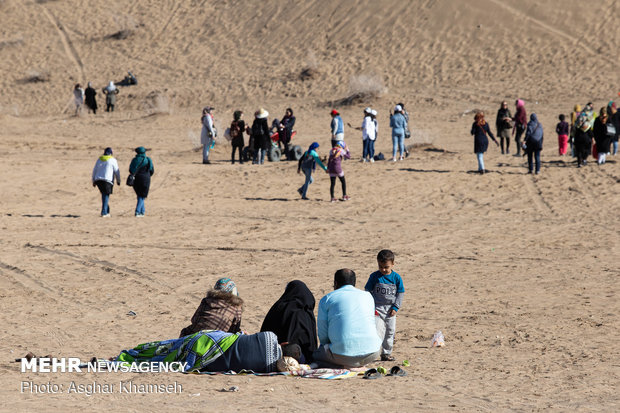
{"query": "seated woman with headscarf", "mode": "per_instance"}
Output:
(220, 310)
(211, 350)
(292, 319)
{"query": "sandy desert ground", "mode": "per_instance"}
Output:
(520, 272)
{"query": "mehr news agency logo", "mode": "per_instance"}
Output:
(74, 365)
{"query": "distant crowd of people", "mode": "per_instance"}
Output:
(352, 328)
(588, 133)
(88, 97)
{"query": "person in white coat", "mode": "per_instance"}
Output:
(368, 135)
(208, 134)
(104, 172)
(78, 98)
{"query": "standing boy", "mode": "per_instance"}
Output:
(387, 289)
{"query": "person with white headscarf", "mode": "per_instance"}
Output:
(78, 98)
(368, 134)
(398, 123)
(110, 93)
(208, 133)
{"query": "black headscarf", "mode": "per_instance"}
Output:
(291, 318)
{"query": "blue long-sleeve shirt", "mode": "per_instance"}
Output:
(346, 321)
(386, 290)
(398, 123)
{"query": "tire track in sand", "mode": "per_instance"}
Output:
(106, 266)
(536, 195)
(67, 44)
(551, 29)
(26, 280)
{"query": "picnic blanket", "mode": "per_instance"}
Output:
(325, 374)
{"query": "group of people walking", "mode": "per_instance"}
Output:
(88, 97)
(106, 171)
(587, 133)
(352, 329)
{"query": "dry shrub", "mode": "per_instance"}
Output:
(126, 27)
(362, 89)
(156, 102)
(311, 70)
(308, 74)
(36, 76)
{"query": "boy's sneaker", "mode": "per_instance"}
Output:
(105, 216)
(372, 160)
(387, 357)
(345, 198)
(300, 192)
(334, 200)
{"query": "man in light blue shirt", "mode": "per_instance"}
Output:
(346, 325)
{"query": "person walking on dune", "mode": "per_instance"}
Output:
(520, 124)
(142, 168)
(90, 99)
(110, 93)
(260, 136)
(337, 128)
(503, 123)
(208, 134)
(534, 135)
(237, 128)
(334, 168)
(368, 135)
(601, 136)
(307, 165)
(562, 129)
(398, 123)
(480, 129)
(104, 172)
(78, 99)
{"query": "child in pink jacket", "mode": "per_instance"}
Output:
(339, 152)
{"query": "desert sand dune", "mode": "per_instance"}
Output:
(520, 272)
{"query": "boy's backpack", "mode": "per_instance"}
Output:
(582, 122)
(306, 161)
(235, 129)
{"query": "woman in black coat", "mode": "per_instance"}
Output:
(480, 129)
(603, 140)
(291, 318)
(142, 168)
(260, 136)
(90, 99)
(286, 129)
